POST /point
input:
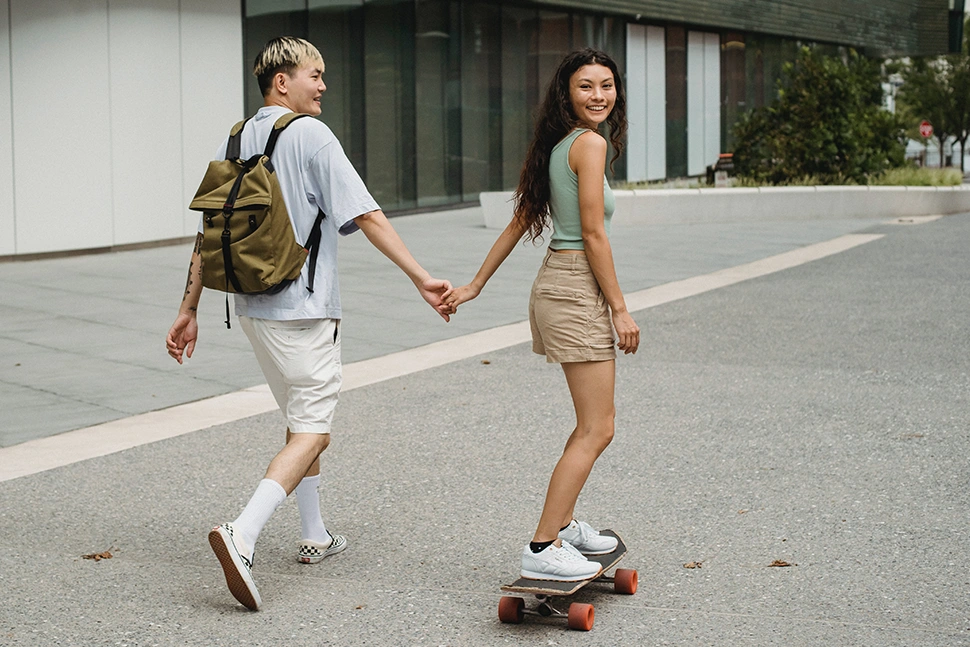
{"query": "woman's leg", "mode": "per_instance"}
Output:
(591, 387)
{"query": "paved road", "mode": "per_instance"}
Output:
(82, 338)
(816, 416)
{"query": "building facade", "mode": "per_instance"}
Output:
(116, 106)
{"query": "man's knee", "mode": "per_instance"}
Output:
(317, 442)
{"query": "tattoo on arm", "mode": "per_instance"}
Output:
(188, 281)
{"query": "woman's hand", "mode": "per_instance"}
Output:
(457, 296)
(628, 332)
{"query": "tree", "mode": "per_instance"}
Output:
(828, 123)
(938, 90)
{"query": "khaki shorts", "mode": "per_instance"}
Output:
(568, 313)
(301, 363)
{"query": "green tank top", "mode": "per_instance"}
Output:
(567, 231)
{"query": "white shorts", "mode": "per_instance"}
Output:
(301, 362)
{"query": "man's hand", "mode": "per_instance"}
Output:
(182, 336)
(457, 296)
(433, 290)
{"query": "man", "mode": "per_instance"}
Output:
(295, 333)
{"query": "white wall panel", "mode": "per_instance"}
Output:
(646, 93)
(656, 103)
(146, 124)
(712, 98)
(703, 101)
(61, 130)
(7, 223)
(636, 102)
(212, 88)
(695, 103)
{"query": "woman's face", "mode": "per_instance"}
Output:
(592, 92)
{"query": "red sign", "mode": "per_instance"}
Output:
(925, 129)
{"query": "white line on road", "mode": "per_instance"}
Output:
(48, 453)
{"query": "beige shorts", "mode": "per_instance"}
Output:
(301, 363)
(568, 313)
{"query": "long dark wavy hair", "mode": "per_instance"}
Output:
(555, 120)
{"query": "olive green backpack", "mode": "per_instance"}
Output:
(248, 244)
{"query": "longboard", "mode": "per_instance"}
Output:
(512, 609)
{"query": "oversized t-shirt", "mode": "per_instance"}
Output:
(312, 170)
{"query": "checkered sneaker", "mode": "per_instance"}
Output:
(236, 566)
(311, 552)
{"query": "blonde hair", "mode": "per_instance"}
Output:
(283, 54)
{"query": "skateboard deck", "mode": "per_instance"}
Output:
(559, 589)
(579, 616)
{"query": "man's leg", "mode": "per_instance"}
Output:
(301, 363)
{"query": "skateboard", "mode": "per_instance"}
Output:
(580, 616)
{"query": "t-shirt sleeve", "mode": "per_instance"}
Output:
(337, 188)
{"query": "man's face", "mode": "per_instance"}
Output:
(304, 88)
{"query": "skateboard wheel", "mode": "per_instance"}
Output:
(625, 581)
(510, 609)
(581, 616)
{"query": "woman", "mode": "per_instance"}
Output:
(576, 296)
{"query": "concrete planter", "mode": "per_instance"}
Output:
(663, 206)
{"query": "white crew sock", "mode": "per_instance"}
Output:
(308, 499)
(268, 496)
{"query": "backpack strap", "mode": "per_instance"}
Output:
(313, 245)
(278, 128)
(235, 140)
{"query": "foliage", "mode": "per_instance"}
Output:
(916, 176)
(938, 90)
(827, 123)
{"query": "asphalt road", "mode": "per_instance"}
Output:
(816, 416)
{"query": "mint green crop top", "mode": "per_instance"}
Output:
(567, 231)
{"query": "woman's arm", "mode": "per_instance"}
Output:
(500, 250)
(587, 157)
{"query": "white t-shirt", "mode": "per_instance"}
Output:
(312, 170)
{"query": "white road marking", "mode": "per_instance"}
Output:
(44, 454)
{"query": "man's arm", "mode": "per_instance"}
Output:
(185, 331)
(382, 235)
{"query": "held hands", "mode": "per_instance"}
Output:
(182, 336)
(433, 291)
(457, 296)
(628, 332)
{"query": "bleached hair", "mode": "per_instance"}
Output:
(283, 54)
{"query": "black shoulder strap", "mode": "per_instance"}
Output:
(313, 244)
(235, 140)
(278, 128)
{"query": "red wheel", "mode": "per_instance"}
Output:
(581, 616)
(625, 581)
(510, 609)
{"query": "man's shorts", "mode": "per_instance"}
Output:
(301, 362)
(568, 313)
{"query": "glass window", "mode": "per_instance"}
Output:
(389, 79)
(520, 88)
(733, 89)
(481, 98)
(438, 99)
(676, 101)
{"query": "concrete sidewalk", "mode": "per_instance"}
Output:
(82, 338)
(815, 416)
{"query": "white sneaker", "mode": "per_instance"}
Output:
(587, 540)
(555, 563)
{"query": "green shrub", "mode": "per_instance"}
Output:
(916, 176)
(827, 123)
